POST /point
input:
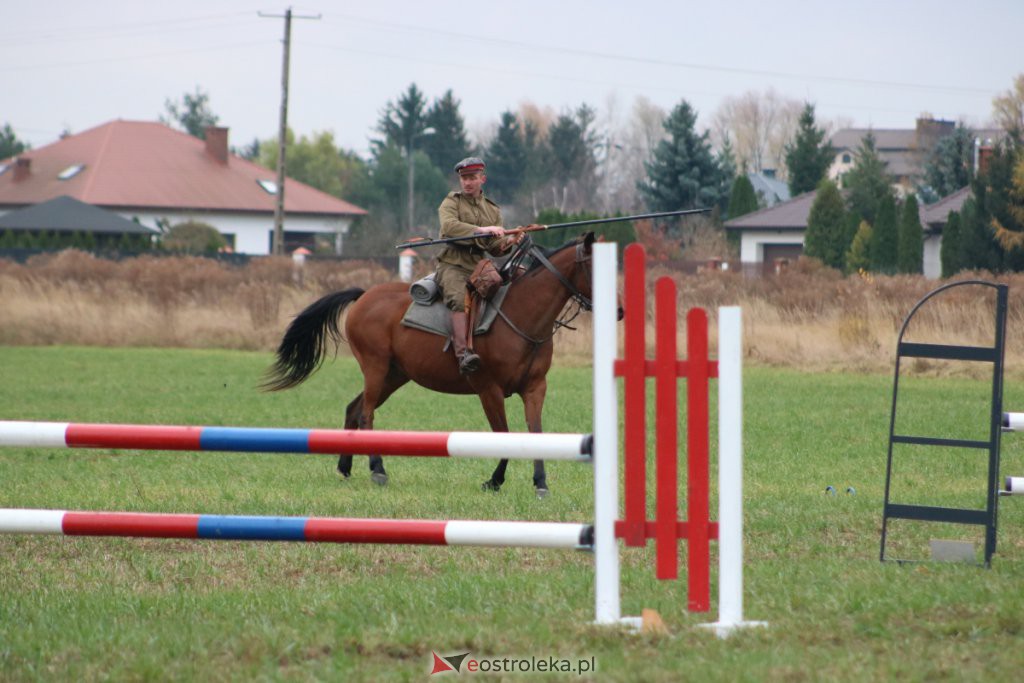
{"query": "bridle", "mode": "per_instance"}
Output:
(582, 301)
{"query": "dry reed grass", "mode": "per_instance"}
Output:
(809, 317)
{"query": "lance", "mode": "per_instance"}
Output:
(424, 242)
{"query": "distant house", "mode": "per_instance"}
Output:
(156, 176)
(777, 232)
(904, 151)
(773, 233)
(66, 216)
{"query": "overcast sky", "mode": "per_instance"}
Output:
(73, 65)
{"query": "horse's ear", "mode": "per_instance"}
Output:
(588, 240)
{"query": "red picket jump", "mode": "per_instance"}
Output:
(666, 529)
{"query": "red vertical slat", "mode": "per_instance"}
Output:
(634, 396)
(667, 428)
(698, 560)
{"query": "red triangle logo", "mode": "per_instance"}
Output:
(440, 666)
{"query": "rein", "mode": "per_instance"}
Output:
(582, 300)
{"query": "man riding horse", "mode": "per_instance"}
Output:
(462, 214)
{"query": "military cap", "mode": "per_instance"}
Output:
(469, 165)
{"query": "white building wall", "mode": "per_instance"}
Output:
(932, 261)
(752, 242)
(252, 231)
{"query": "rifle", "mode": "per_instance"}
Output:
(424, 242)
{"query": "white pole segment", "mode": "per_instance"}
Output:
(33, 434)
(514, 534)
(31, 521)
(606, 436)
(730, 472)
(1013, 422)
(517, 446)
(1015, 486)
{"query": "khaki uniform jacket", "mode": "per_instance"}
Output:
(461, 215)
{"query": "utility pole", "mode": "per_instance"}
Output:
(278, 244)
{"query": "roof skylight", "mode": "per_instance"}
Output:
(70, 172)
(268, 185)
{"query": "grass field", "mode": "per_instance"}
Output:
(126, 609)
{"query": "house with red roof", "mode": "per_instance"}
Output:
(157, 176)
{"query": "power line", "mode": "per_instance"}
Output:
(533, 47)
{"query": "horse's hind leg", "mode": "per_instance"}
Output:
(352, 413)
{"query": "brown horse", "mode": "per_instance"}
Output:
(515, 353)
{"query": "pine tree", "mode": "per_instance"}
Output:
(742, 200)
(506, 159)
(858, 256)
(949, 250)
(950, 166)
(809, 156)
(867, 183)
(885, 237)
(683, 173)
(826, 227)
(977, 246)
(401, 122)
(449, 143)
(910, 250)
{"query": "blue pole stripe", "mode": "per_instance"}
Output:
(256, 440)
(226, 528)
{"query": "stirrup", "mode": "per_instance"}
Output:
(469, 363)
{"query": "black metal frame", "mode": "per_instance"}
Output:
(994, 354)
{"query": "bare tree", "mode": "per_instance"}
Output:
(759, 125)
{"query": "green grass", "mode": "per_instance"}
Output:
(129, 609)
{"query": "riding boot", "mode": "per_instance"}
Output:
(468, 361)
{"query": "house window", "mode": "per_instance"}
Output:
(269, 186)
(3, 168)
(846, 159)
(70, 172)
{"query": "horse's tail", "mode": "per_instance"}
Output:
(302, 350)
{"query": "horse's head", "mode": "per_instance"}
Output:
(583, 271)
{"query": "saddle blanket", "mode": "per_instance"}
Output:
(436, 318)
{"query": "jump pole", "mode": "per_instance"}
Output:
(527, 446)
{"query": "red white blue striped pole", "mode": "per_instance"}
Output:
(528, 446)
(310, 529)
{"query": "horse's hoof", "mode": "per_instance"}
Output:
(542, 492)
(489, 485)
(343, 475)
(379, 478)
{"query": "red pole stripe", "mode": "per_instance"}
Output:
(420, 532)
(359, 442)
(667, 428)
(149, 524)
(699, 552)
(143, 437)
(634, 371)
(651, 530)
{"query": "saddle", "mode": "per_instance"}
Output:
(434, 316)
(428, 313)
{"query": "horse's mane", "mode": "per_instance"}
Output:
(549, 252)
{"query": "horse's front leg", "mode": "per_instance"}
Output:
(533, 405)
(352, 413)
(493, 402)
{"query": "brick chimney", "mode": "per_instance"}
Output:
(217, 143)
(984, 157)
(22, 168)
